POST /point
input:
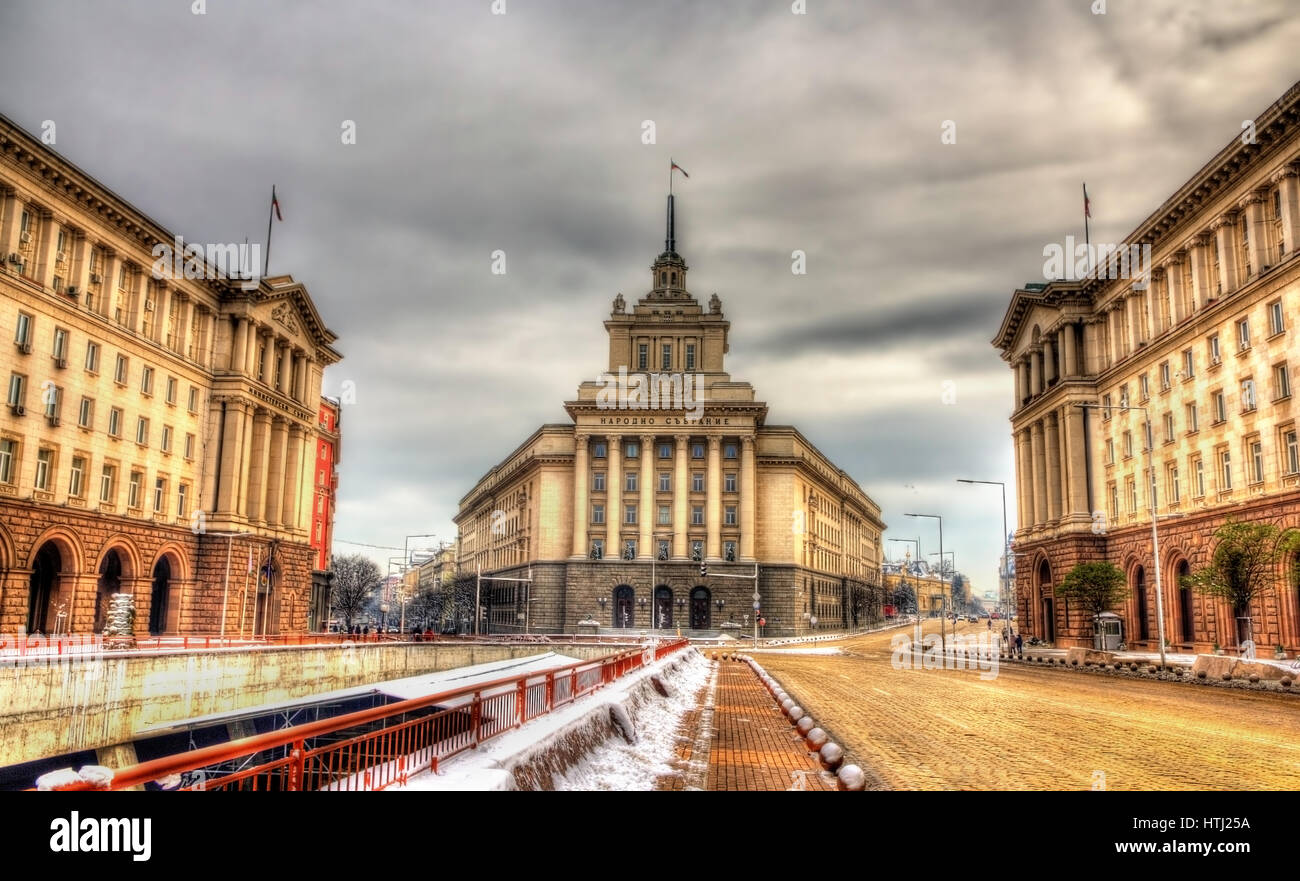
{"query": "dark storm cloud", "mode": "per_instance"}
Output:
(522, 132)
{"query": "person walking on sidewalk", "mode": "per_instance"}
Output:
(1020, 646)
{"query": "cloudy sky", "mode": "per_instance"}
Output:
(524, 132)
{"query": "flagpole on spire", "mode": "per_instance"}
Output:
(1087, 212)
(271, 216)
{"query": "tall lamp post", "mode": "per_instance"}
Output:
(943, 634)
(1006, 540)
(1149, 439)
(953, 555)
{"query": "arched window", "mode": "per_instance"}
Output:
(663, 279)
(1186, 621)
(624, 606)
(701, 613)
(1140, 593)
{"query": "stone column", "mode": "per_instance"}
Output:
(1228, 280)
(47, 240)
(244, 464)
(210, 347)
(1024, 481)
(293, 476)
(1286, 182)
(276, 470)
(1053, 452)
(1051, 366)
(108, 284)
(301, 367)
(1039, 472)
(748, 500)
(162, 314)
(647, 515)
(1020, 372)
(1091, 347)
(614, 498)
(250, 348)
(286, 367)
(1071, 367)
(232, 457)
(581, 496)
(1133, 320)
(1036, 371)
(1078, 464)
(11, 227)
(1173, 272)
(238, 344)
(713, 507)
(185, 333)
(681, 498)
(1202, 290)
(261, 451)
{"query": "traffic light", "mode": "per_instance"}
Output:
(704, 569)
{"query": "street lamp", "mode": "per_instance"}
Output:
(1155, 538)
(942, 584)
(1006, 540)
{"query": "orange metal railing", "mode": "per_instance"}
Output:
(348, 753)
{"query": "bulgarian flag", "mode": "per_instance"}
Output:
(275, 204)
(675, 167)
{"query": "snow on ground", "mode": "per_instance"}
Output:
(618, 765)
(819, 650)
(485, 767)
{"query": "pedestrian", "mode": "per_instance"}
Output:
(1020, 646)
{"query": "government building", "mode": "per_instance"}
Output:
(159, 433)
(668, 502)
(1161, 380)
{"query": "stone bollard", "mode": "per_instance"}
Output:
(850, 779)
(805, 725)
(796, 713)
(816, 739)
(831, 756)
(787, 706)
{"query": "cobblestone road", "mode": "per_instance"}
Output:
(1033, 728)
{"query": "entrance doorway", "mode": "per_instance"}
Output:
(663, 607)
(159, 596)
(1186, 623)
(110, 582)
(701, 617)
(624, 607)
(44, 586)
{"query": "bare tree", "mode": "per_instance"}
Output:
(355, 579)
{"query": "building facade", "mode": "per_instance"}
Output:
(150, 415)
(666, 495)
(1161, 381)
(325, 479)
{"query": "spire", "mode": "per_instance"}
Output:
(670, 243)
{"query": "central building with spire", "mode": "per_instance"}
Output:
(668, 502)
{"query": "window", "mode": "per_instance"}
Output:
(1276, 323)
(17, 390)
(1171, 483)
(665, 451)
(1225, 470)
(142, 431)
(1281, 382)
(1247, 395)
(697, 515)
(598, 549)
(159, 494)
(193, 404)
(53, 397)
(1128, 444)
(171, 389)
(1243, 334)
(690, 356)
(86, 413)
(1164, 376)
(115, 422)
(1114, 502)
(1277, 223)
(1255, 456)
(166, 439)
(1132, 496)
(1147, 441)
(598, 482)
(632, 449)
(697, 483)
(92, 357)
(697, 550)
(629, 515)
(1110, 451)
(666, 362)
(1292, 451)
(663, 550)
(182, 499)
(45, 467)
(1105, 408)
(665, 515)
(1169, 428)
(697, 451)
(729, 483)
(119, 370)
(1220, 404)
(629, 549)
(729, 515)
(729, 451)
(23, 330)
(75, 480)
(665, 482)
(599, 451)
(1144, 387)
(1198, 477)
(643, 356)
(1123, 397)
(189, 446)
(108, 484)
(133, 489)
(8, 455)
(1212, 344)
(146, 381)
(1189, 364)
(60, 346)
(1192, 426)
(630, 481)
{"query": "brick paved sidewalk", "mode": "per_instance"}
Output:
(755, 747)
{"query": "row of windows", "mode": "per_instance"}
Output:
(79, 479)
(632, 450)
(729, 517)
(665, 356)
(632, 480)
(1255, 473)
(663, 550)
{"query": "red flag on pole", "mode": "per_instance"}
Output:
(275, 203)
